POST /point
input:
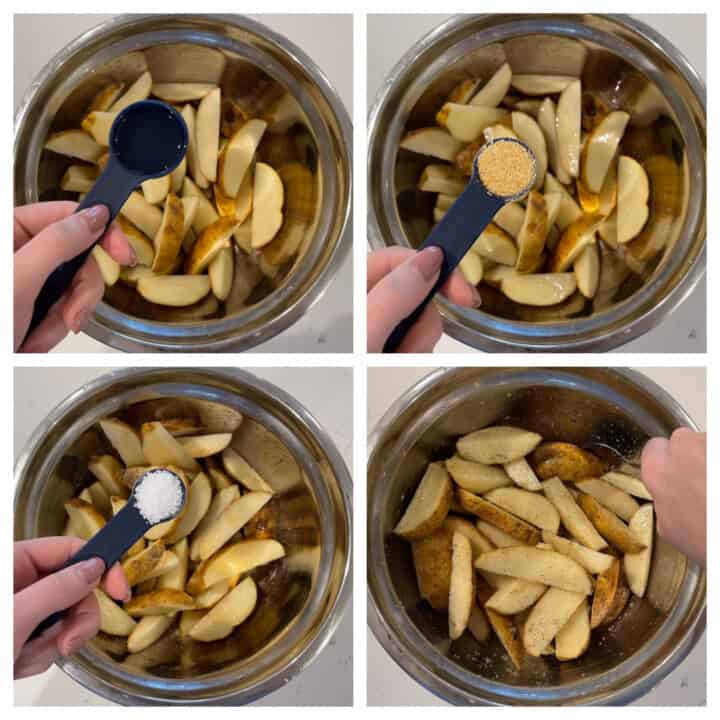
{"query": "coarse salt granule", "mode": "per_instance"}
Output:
(506, 168)
(159, 495)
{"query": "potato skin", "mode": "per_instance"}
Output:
(605, 590)
(436, 519)
(614, 530)
(566, 461)
(432, 556)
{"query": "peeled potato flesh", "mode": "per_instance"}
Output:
(539, 289)
(569, 117)
(429, 505)
(497, 444)
(467, 122)
(433, 142)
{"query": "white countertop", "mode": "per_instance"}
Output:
(328, 680)
(388, 684)
(390, 37)
(328, 40)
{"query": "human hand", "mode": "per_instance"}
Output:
(398, 279)
(675, 472)
(45, 235)
(39, 591)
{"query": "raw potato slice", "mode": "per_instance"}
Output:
(442, 179)
(569, 210)
(508, 634)
(600, 148)
(220, 502)
(515, 596)
(587, 271)
(178, 175)
(548, 617)
(476, 477)
(109, 268)
(541, 84)
(615, 500)
(432, 557)
(108, 471)
(498, 537)
(464, 91)
(568, 122)
(531, 240)
(610, 526)
(188, 620)
(125, 440)
(139, 566)
(78, 178)
(528, 506)
(113, 619)
(100, 498)
(478, 625)
(193, 159)
(536, 565)
(478, 542)
(232, 610)
(139, 90)
(637, 565)
(467, 122)
(604, 597)
(148, 630)
(98, 125)
(628, 483)
(142, 214)
(215, 593)
(531, 134)
(243, 472)
(575, 238)
(159, 602)
(268, 199)
(539, 289)
(633, 192)
(168, 240)
(553, 201)
(205, 214)
(226, 525)
(144, 250)
(201, 446)
(169, 562)
(174, 290)
(594, 562)
(522, 475)
(76, 144)
(433, 142)
(495, 88)
(86, 521)
(573, 638)
(496, 245)
(546, 120)
(498, 444)
(566, 461)
(196, 506)
(181, 92)
(429, 505)
(156, 190)
(190, 205)
(530, 106)
(105, 97)
(498, 517)
(161, 448)
(207, 133)
(176, 578)
(496, 274)
(213, 239)
(471, 266)
(573, 518)
(462, 586)
(510, 218)
(238, 155)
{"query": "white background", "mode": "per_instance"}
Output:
(388, 684)
(328, 40)
(328, 681)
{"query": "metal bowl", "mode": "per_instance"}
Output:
(59, 96)
(296, 617)
(617, 48)
(620, 408)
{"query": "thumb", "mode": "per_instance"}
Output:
(652, 464)
(399, 293)
(54, 592)
(57, 243)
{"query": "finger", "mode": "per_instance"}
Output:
(37, 656)
(51, 330)
(652, 462)
(33, 559)
(55, 244)
(397, 294)
(80, 626)
(57, 591)
(115, 583)
(117, 246)
(459, 291)
(29, 220)
(380, 263)
(85, 293)
(38, 645)
(424, 334)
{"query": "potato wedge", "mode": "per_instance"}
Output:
(232, 610)
(139, 90)
(605, 588)
(478, 542)
(76, 144)
(573, 638)
(215, 593)
(196, 506)
(478, 624)
(432, 557)
(575, 238)
(232, 520)
(549, 615)
(174, 290)
(637, 565)
(202, 446)
(162, 448)
(238, 155)
(241, 470)
(220, 479)
(527, 130)
(540, 289)
(499, 538)
(78, 178)
(515, 596)
(100, 499)
(531, 507)
(587, 271)
(106, 96)
(495, 89)
(212, 240)
(168, 239)
(610, 526)
(148, 630)
(466, 122)
(522, 475)
(627, 483)
(462, 586)
(600, 149)
(193, 158)
(142, 214)
(85, 519)
(615, 500)
(429, 505)
(476, 477)
(498, 517)
(593, 561)
(433, 142)
(568, 123)
(510, 218)
(495, 244)
(113, 619)
(569, 210)
(441, 179)
(188, 620)
(572, 517)
(138, 567)
(497, 444)
(222, 499)
(168, 563)
(506, 630)
(221, 272)
(159, 602)
(143, 248)
(546, 120)
(108, 471)
(541, 84)
(181, 92)
(471, 267)
(531, 240)
(268, 199)
(125, 440)
(620, 601)
(565, 461)
(176, 578)
(207, 134)
(157, 189)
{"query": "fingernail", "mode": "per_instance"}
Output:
(91, 570)
(80, 320)
(73, 645)
(476, 298)
(428, 262)
(96, 217)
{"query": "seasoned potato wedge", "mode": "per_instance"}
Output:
(637, 565)
(549, 615)
(476, 477)
(573, 638)
(506, 631)
(85, 519)
(498, 517)
(497, 444)
(429, 505)
(515, 596)
(478, 624)
(605, 588)
(610, 526)
(125, 440)
(531, 507)
(478, 542)
(243, 472)
(522, 475)
(620, 601)
(498, 537)
(233, 609)
(196, 506)
(201, 446)
(148, 630)
(566, 461)
(593, 561)
(159, 602)
(462, 585)
(432, 556)
(628, 483)
(138, 567)
(610, 497)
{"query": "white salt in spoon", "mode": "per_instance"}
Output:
(158, 496)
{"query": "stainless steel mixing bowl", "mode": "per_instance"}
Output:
(616, 49)
(620, 408)
(294, 621)
(59, 95)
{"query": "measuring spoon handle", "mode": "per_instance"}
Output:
(455, 234)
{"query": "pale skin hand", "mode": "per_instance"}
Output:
(398, 279)
(44, 236)
(675, 472)
(40, 591)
